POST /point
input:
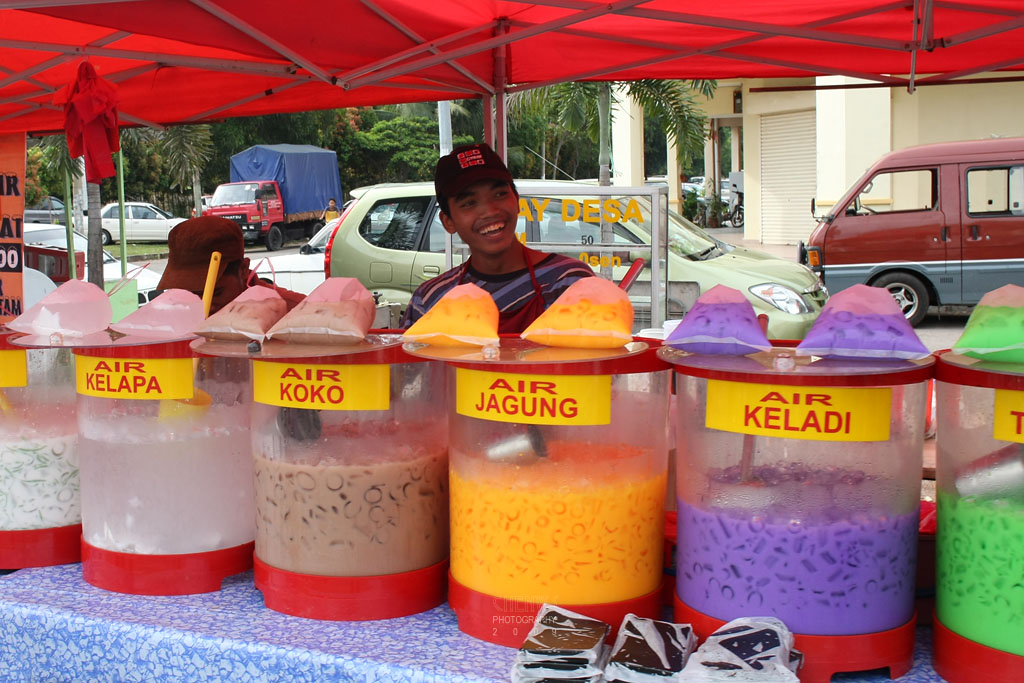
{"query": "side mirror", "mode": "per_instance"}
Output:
(813, 210)
(305, 249)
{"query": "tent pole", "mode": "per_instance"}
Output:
(120, 204)
(488, 121)
(444, 126)
(500, 84)
(68, 225)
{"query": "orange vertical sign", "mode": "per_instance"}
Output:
(12, 210)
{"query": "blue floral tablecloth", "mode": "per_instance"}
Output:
(56, 627)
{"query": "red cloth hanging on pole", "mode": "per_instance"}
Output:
(90, 123)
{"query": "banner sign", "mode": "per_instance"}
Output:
(12, 210)
(804, 412)
(534, 399)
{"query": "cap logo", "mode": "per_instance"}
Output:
(471, 157)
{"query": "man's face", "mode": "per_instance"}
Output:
(484, 215)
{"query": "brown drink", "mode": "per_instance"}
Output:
(355, 511)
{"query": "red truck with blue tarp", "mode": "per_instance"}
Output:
(277, 192)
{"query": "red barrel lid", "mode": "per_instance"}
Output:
(383, 348)
(955, 368)
(782, 366)
(516, 355)
(172, 349)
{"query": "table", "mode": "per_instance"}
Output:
(56, 627)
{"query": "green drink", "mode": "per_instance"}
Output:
(980, 560)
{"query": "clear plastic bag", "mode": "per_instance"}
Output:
(465, 316)
(339, 311)
(995, 330)
(722, 322)
(746, 649)
(250, 315)
(862, 322)
(592, 313)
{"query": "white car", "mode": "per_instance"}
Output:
(50, 235)
(301, 272)
(142, 223)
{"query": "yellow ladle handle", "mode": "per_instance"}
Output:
(211, 280)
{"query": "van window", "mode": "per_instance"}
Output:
(916, 190)
(995, 191)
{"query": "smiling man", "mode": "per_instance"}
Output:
(479, 202)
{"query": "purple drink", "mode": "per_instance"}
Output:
(827, 575)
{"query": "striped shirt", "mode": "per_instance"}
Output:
(554, 274)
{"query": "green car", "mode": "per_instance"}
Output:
(391, 239)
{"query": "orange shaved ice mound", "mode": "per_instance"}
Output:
(591, 314)
(465, 316)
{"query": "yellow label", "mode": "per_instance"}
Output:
(800, 412)
(13, 368)
(1008, 416)
(324, 387)
(534, 399)
(134, 378)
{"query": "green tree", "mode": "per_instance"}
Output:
(586, 107)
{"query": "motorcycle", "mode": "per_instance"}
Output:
(713, 213)
(735, 213)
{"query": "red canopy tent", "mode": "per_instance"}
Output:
(180, 61)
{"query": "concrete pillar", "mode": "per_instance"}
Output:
(736, 139)
(853, 129)
(627, 140)
(672, 171)
(711, 170)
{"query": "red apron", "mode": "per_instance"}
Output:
(516, 320)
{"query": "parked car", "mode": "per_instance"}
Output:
(143, 222)
(392, 240)
(300, 272)
(51, 235)
(47, 210)
(204, 204)
(936, 225)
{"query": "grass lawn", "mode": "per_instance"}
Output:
(134, 249)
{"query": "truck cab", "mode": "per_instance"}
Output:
(256, 206)
(936, 225)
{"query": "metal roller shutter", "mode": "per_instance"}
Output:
(788, 176)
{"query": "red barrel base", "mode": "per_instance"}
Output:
(40, 547)
(351, 598)
(828, 655)
(183, 574)
(506, 621)
(960, 660)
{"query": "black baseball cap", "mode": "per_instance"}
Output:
(464, 166)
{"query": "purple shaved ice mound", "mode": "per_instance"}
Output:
(719, 327)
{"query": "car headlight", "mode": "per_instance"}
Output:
(781, 297)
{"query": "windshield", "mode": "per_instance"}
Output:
(684, 238)
(318, 242)
(227, 195)
(57, 237)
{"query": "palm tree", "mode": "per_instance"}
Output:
(185, 148)
(585, 106)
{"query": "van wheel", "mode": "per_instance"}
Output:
(274, 239)
(909, 292)
(105, 238)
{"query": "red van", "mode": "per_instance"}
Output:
(936, 225)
